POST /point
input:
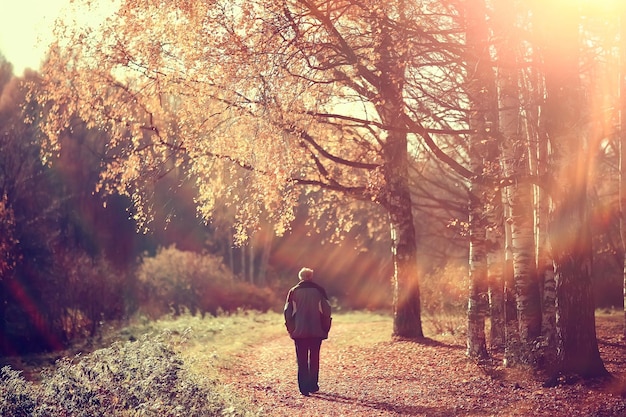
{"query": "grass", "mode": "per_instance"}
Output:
(164, 367)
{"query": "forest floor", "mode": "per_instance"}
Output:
(364, 373)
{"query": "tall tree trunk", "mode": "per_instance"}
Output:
(482, 120)
(477, 301)
(407, 321)
(526, 285)
(622, 150)
(515, 165)
(570, 235)
(538, 160)
(511, 328)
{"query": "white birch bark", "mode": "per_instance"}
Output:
(519, 193)
(539, 156)
(496, 238)
(482, 102)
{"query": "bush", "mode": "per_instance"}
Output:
(145, 378)
(17, 397)
(177, 281)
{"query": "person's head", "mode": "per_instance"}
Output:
(305, 274)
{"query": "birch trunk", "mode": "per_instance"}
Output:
(538, 159)
(495, 269)
(478, 301)
(515, 165)
(482, 120)
(511, 329)
(545, 265)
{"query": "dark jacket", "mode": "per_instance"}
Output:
(307, 311)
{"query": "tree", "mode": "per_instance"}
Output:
(570, 236)
(518, 194)
(481, 90)
(321, 94)
(622, 148)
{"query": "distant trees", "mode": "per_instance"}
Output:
(29, 215)
(64, 259)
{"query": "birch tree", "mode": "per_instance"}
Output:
(515, 165)
(482, 122)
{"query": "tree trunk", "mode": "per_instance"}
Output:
(575, 320)
(515, 165)
(538, 161)
(407, 321)
(265, 257)
(477, 301)
(251, 256)
(526, 285)
(496, 259)
(511, 329)
(481, 91)
(569, 233)
(622, 151)
(545, 265)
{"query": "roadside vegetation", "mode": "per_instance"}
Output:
(151, 368)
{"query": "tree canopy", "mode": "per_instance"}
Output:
(288, 92)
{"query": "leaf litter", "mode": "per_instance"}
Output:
(366, 376)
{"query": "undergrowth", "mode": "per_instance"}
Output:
(147, 377)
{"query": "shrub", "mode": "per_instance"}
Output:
(146, 378)
(176, 281)
(17, 398)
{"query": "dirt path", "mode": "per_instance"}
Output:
(361, 377)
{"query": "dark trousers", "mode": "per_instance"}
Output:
(308, 354)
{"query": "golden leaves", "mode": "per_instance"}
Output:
(222, 88)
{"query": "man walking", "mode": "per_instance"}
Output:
(308, 318)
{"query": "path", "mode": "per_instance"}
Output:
(359, 377)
